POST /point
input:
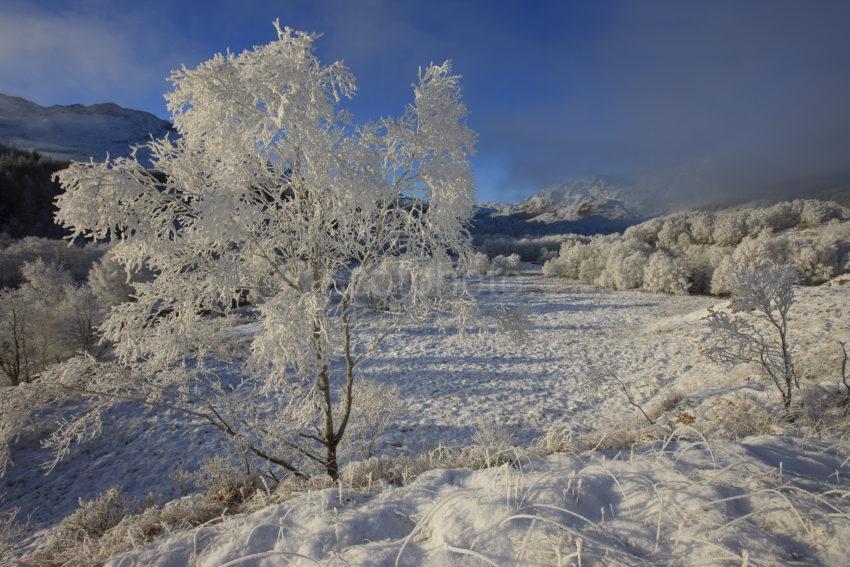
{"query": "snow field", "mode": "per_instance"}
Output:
(767, 501)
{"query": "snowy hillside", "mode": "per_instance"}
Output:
(578, 199)
(76, 131)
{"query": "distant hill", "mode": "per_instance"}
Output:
(583, 205)
(76, 131)
(578, 199)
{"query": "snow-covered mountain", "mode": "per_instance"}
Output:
(76, 131)
(577, 199)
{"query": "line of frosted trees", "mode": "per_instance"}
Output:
(52, 299)
(699, 252)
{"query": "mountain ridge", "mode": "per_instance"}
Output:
(76, 131)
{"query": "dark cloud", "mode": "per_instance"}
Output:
(704, 101)
(699, 101)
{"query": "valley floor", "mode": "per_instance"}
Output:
(562, 376)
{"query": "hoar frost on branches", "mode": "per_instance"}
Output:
(271, 193)
(768, 293)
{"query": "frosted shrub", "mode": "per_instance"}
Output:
(109, 282)
(46, 320)
(646, 231)
(815, 212)
(816, 260)
(505, 266)
(624, 266)
(12, 532)
(731, 416)
(769, 294)
(93, 518)
(730, 228)
(22, 352)
(592, 258)
(674, 232)
(480, 263)
(701, 227)
(546, 254)
(45, 283)
(563, 265)
(750, 255)
(224, 480)
(378, 407)
(665, 274)
(780, 216)
(710, 248)
(78, 317)
(76, 260)
(701, 262)
(765, 249)
(528, 248)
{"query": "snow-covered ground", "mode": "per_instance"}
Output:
(766, 501)
(579, 338)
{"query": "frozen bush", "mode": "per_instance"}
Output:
(66, 313)
(76, 260)
(701, 261)
(769, 294)
(780, 216)
(109, 282)
(731, 416)
(546, 254)
(751, 254)
(665, 274)
(47, 319)
(528, 248)
(592, 258)
(674, 232)
(505, 266)
(701, 227)
(563, 266)
(709, 248)
(624, 265)
(481, 263)
(646, 231)
(93, 518)
(78, 316)
(224, 480)
(730, 228)
(376, 407)
(45, 283)
(12, 532)
(817, 212)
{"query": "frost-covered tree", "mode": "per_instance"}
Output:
(270, 192)
(20, 350)
(47, 319)
(768, 293)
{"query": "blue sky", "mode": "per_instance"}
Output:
(700, 97)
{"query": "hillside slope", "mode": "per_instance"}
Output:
(76, 131)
